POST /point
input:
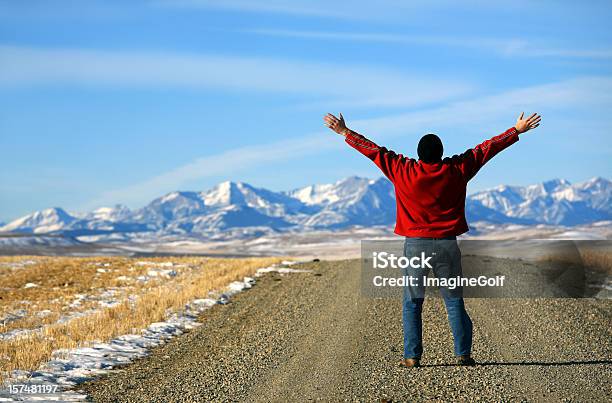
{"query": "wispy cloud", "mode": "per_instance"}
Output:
(327, 82)
(484, 112)
(317, 8)
(504, 47)
(343, 9)
(592, 94)
(242, 158)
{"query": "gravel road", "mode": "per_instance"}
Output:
(313, 336)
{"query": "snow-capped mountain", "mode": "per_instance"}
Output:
(554, 202)
(46, 221)
(227, 205)
(232, 208)
(352, 201)
(109, 214)
(57, 221)
(264, 201)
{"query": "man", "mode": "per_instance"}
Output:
(430, 200)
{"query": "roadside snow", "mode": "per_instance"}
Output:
(70, 367)
(280, 270)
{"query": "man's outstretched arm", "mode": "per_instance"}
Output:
(388, 161)
(473, 159)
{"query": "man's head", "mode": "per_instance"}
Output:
(430, 148)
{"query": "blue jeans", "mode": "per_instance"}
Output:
(446, 263)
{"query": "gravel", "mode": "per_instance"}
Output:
(313, 336)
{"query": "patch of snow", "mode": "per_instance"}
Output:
(18, 265)
(79, 298)
(280, 270)
(108, 304)
(292, 262)
(11, 334)
(29, 241)
(165, 273)
(13, 316)
(104, 299)
(158, 264)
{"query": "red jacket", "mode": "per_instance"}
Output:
(430, 198)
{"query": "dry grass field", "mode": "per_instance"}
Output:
(599, 259)
(594, 256)
(50, 303)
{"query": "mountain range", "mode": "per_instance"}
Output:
(237, 209)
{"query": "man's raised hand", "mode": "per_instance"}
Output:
(337, 125)
(523, 125)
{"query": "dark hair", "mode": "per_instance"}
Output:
(430, 148)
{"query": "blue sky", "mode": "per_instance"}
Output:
(105, 102)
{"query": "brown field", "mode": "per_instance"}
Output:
(597, 257)
(49, 293)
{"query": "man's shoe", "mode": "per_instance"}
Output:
(410, 363)
(465, 361)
